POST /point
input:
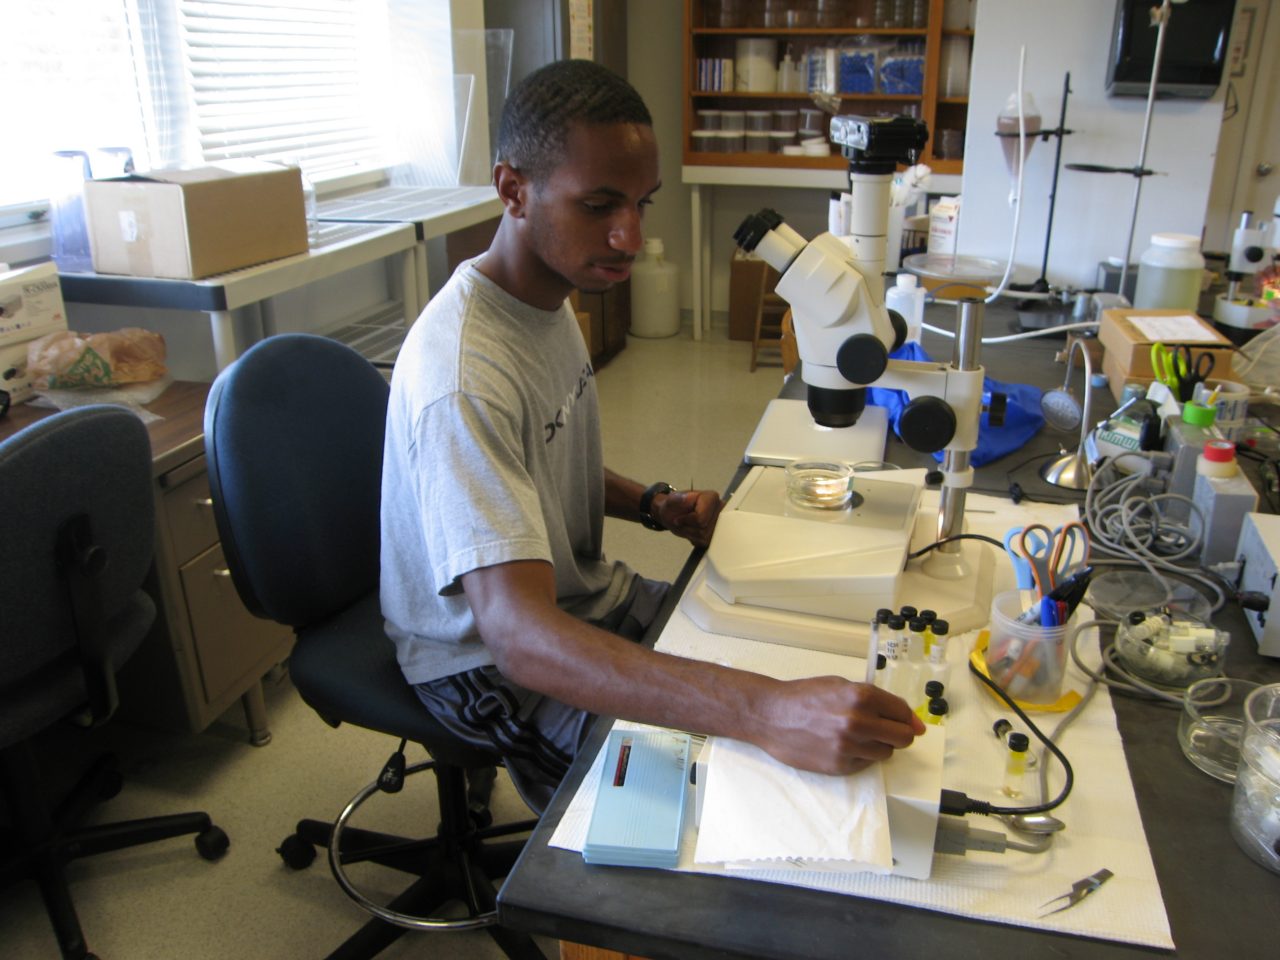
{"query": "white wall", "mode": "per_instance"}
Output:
(1091, 219)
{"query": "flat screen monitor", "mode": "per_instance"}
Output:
(1195, 48)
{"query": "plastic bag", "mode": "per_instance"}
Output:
(67, 360)
(1022, 420)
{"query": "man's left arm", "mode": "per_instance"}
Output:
(686, 513)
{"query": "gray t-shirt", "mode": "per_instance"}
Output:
(492, 454)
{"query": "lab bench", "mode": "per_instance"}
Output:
(1216, 898)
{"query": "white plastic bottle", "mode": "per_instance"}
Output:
(655, 293)
(906, 296)
(1169, 273)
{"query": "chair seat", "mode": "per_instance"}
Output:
(346, 677)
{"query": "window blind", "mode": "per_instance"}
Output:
(284, 80)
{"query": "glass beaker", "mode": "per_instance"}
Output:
(67, 174)
(1255, 805)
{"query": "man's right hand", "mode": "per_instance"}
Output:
(831, 725)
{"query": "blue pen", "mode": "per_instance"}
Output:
(1048, 612)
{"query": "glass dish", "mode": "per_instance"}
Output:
(820, 484)
(1211, 725)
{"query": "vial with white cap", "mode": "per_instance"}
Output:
(906, 297)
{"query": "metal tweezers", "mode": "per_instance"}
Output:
(1079, 890)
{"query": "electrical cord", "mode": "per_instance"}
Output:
(1124, 518)
(1017, 190)
(956, 803)
(958, 536)
(1053, 331)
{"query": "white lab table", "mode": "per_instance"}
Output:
(341, 246)
(432, 211)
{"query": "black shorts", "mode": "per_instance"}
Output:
(537, 737)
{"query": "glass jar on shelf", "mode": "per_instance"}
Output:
(724, 14)
(831, 13)
(858, 65)
(919, 14)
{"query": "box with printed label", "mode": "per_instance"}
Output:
(30, 304)
(196, 222)
(1127, 335)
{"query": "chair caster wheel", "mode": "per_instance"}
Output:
(480, 816)
(296, 852)
(212, 843)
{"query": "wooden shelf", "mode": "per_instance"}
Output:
(749, 95)
(703, 42)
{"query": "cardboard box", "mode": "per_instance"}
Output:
(30, 304)
(192, 223)
(744, 293)
(1128, 349)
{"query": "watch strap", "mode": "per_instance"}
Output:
(646, 504)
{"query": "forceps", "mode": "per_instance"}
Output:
(1079, 890)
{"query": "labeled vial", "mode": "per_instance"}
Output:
(1015, 765)
(894, 641)
(939, 631)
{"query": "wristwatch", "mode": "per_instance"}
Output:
(646, 504)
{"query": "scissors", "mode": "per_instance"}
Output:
(1079, 890)
(1046, 554)
(1179, 369)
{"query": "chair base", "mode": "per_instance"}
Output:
(44, 842)
(456, 866)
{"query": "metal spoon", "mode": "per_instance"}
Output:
(1036, 824)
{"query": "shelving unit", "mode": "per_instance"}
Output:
(705, 38)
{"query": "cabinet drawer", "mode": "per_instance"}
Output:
(189, 512)
(233, 647)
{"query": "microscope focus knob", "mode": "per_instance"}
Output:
(900, 331)
(1254, 254)
(927, 424)
(862, 359)
(997, 405)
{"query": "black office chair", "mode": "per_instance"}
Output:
(77, 517)
(293, 437)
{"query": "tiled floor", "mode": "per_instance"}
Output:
(673, 410)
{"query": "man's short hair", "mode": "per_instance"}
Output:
(548, 102)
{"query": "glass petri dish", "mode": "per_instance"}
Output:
(1212, 724)
(946, 266)
(820, 484)
(1116, 593)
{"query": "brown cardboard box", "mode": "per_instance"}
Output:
(1128, 349)
(197, 222)
(744, 293)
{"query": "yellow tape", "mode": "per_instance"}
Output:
(979, 661)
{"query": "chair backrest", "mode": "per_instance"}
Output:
(89, 466)
(293, 436)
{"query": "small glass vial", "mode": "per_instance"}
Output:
(932, 691)
(915, 639)
(936, 711)
(893, 643)
(1015, 765)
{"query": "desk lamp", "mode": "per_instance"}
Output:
(1061, 409)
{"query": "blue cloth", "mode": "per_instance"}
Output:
(1022, 419)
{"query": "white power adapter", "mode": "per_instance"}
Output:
(1259, 552)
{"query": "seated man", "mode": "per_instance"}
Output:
(507, 617)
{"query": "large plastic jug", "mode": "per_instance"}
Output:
(906, 296)
(655, 294)
(1170, 273)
